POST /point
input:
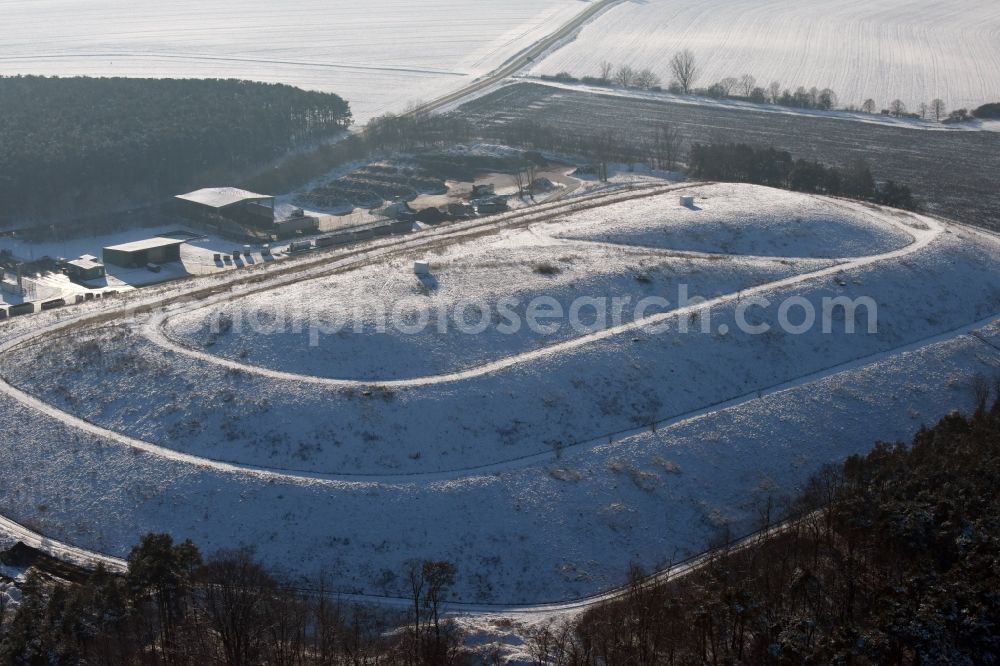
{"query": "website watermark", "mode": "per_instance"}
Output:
(546, 316)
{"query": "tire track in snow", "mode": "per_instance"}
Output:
(151, 55)
(361, 481)
(154, 329)
(58, 549)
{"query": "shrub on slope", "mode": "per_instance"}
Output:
(988, 111)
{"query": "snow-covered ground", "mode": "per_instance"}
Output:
(549, 530)
(331, 328)
(381, 55)
(658, 245)
(911, 50)
(738, 219)
(520, 394)
(541, 479)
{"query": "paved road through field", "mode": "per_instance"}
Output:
(520, 61)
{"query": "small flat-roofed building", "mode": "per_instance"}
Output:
(158, 250)
(85, 268)
(294, 225)
(231, 203)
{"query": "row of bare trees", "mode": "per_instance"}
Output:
(627, 77)
(937, 111)
(685, 73)
(682, 65)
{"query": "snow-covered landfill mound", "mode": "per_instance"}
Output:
(542, 462)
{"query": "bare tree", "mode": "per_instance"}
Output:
(286, 640)
(923, 110)
(625, 76)
(646, 79)
(802, 98)
(938, 109)
(868, 106)
(685, 70)
(519, 181)
(814, 97)
(415, 578)
(667, 146)
(728, 86)
(439, 576)
(747, 84)
(774, 92)
(603, 149)
(606, 70)
(897, 108)
(328, 618)
(234, 595)
(524, 178)
(627, 148)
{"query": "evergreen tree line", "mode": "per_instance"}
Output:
(73, 146)
(741, 163)
(383, 135)
(895, 563)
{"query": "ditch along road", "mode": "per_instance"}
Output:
(519, 61)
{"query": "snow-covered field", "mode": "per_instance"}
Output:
(542, 478)
(381, 55)
(914, 50)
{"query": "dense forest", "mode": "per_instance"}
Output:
(70, 147)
